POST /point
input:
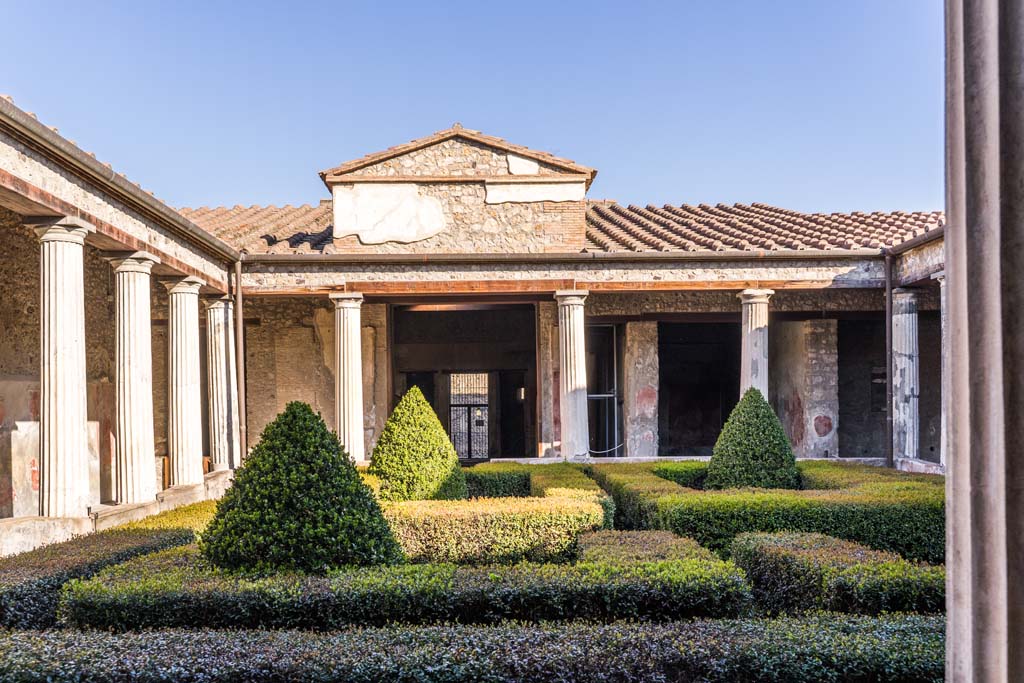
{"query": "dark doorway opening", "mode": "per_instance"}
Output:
(862, 386)
(699, 375)
(604, 400)
(478, 363)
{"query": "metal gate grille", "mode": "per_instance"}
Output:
(469, 414)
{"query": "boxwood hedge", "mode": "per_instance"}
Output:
(498, 480)
(794, 572)
(821, 648)
(30, 582)
(639, 546)
(176, 588)
(885, 510)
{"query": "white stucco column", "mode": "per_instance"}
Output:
(63, 436)
(134, 474)
(945, 395)
(572, 373)
(754, 340)
(905, 374)
(348, 374)
(222, 387)
(184, 407)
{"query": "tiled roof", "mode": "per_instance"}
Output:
(610, 227)
(753, 227)
(457, 131)
(268, 229)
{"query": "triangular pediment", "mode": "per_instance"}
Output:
(456, 152)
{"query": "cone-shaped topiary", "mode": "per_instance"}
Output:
(298, 504)
(752, 449)
(414, 458)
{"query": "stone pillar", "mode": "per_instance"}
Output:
(63, 436)
(184, 407)
(348, 377)
(222, 386)
(944, 368)
(984, 243)
(572, 377)
(754, 345)
(640, 393)
(905, 374)
(135, 476)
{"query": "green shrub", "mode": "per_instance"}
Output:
(196, 517)
(639, 546)
(493, 530)
(819, 649)
(565, 480)
(894, 511)
(414, 458)
(298, 504)
(794, 572)
(688, 473)
(30, 582)
(752, 449)
(498, 480)
(177, 589)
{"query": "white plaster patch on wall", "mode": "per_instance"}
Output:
(386, 213)
(519, 166)
(500, 193)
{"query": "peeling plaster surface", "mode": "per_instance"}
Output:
(804, 384)
(386, 213)
(640, 376)
(501, 193)
(517, 165)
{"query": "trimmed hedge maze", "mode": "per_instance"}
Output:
(883, 509)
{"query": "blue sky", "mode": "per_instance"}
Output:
(830, 105)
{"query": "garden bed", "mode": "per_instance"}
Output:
(826, 647)
(794, 572)
(883, 509)
(177, 588)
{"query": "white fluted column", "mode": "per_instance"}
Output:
(184, 407)
(222, 386)
(572, 373)
(348, 374)
(63, 436)
(905, 374)
(946, 395)
(134, 473)
(754, 344)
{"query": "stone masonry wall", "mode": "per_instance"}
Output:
(290, 357)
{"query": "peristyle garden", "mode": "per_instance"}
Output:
(749, 567)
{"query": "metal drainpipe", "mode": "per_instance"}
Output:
(888, 360)
(240, 361)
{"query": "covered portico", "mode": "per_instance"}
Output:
(110, 299)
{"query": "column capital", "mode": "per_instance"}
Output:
(186, 285)
(132, 261)
(940, 277)
(346, 299)
(218, 303)
(60, 228)
(571, 297)
(755, 296)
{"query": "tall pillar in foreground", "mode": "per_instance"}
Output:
(63, 439)
(134, 473)
(984, 260)
(348, 373)
(184, 406)
(572, 373)
(945, 396)
(754, 344)
(905, 374)
(222, 387)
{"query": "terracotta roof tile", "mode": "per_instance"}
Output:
(747, 227)
(610, 227)
(262, 229)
